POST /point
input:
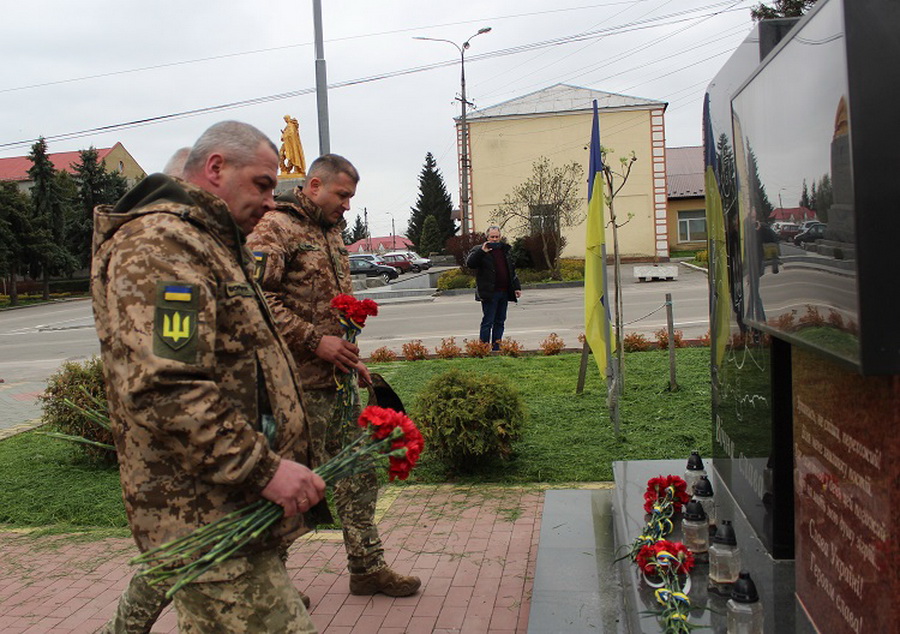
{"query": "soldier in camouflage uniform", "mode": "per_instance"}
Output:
(204, 398)
(302, 265)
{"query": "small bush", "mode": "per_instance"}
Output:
(455, 278)
(534, 245)
(812, 318)
(477, 348)
(572, 269)
(702, 256)
(635, 342)
(67, 383)
(835, 319)
(383, 355)
(415, 350)
(511, 347)
(552, 344)
(662, 338)
(448, 349)
(467, 419)
(706, 339)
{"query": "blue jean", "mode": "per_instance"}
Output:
(493, 316)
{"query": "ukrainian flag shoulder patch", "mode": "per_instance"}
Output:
(178, 293)
(175, 321)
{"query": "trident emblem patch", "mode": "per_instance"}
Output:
(175, 325)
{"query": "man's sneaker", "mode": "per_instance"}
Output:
(385, 581)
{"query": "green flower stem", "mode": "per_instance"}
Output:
(224, 537)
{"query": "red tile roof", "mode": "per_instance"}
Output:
(793, 214)
(384, 243)
(16, 168)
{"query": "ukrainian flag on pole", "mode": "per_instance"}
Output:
(597, 328)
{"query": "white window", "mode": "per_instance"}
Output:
(691, 225)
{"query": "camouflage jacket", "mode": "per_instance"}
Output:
(192, 361)
(302, 265)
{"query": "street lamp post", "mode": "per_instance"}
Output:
(464, 126)
(393, 233)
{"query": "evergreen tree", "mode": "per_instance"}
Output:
(96, 186)
(825, 198)
(781, 9)
(49, 209)
(431, 241)
(804, 196)
(20, 241)
(433, 201)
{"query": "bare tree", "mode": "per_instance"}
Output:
(549, 201)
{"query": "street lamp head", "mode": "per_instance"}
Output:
(486, 29)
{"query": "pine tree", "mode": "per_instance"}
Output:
(20, 241)
(433, 201)
(804, 196)
(49, 208)
(431, 241)
(96, 186)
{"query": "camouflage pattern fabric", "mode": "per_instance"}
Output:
(251, 594)
(192, 361)
(139, 607)
(355, 497)
(302, 266)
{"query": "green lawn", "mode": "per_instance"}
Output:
(567, 438)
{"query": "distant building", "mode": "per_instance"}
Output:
(382, 244)
(115, 159)
(685, 189)
(555, 122)
(792, 214)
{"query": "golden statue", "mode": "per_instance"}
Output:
(290, 158)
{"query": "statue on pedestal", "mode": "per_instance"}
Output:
(290, 158)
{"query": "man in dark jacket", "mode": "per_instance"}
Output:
(496, 283)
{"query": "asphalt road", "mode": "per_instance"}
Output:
(34, 341)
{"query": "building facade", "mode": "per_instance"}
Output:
(505, 141)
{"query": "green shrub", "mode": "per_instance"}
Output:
(468, 419)
(80, 383)
(455, 278)
(572, 269)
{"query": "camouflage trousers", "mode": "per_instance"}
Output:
(245, 594)
(354, 497)
(141, 604)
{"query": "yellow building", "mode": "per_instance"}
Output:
(687, 205)
(506, 139)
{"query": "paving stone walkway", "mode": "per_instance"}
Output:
(475, 548)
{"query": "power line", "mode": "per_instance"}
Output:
(677, 17)
(271, 49)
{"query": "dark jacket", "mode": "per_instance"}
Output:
(483, 265)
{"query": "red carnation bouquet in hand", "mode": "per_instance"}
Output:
(389, 434)
(352, 314)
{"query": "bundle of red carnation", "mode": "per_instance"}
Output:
(673, 556)
(658, 489)
(355, 310)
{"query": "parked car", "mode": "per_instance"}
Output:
(806, 224)
(787, 230)
(418, 263)
(371, 257)
(362, 266)
(815, 232)
(398, 260)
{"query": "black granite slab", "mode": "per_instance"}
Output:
(576, 585)
(774, 578)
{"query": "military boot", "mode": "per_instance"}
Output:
(304, 598)
(385, 581)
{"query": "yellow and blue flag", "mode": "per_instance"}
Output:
(177, 293)
(597, 328)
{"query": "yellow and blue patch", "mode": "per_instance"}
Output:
(173, 293)
(259, 270)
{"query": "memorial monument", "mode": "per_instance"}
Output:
(291, 160)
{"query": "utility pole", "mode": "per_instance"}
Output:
(368, 233)
(463, 128)
(321, 82)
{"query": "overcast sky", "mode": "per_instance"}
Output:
(70, 67)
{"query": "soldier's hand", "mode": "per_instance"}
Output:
(365, 379)
(295, 488)
(339, 352)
